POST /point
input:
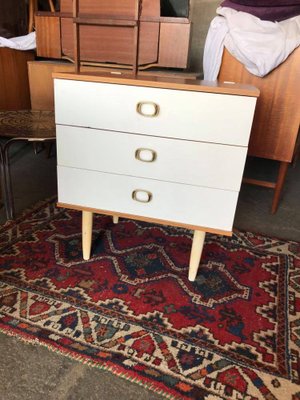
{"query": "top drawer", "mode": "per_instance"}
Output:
(199, 116)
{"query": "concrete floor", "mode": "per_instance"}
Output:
(33, 372)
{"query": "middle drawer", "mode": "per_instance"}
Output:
(172, 160)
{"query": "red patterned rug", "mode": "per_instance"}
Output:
(234, 333)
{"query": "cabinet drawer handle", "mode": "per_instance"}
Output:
(147, 109)
(142, 196)
(145, 155)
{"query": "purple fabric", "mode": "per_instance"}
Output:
(267, 3)
(267, 13)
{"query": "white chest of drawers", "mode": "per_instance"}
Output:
(169, 152)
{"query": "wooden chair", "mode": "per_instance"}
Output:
(17, 126)
(32, 8)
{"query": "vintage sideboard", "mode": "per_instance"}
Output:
(167, 151)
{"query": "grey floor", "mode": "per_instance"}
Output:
(33, 372)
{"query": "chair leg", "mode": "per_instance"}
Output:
(7, 182)
(38, 147)
(297, 151)
(279, 185)
(50, 148)
(3, 181)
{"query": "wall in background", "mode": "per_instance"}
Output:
(13, 18)
(202, 12)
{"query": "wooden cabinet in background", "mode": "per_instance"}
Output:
(163, 41)
(277, 117)
(14, 86)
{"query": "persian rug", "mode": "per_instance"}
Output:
(234, 333)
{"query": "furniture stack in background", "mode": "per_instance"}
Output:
(107, 39)
(163, 40)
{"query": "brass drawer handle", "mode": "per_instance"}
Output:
(145, 155)
(142, 196)
(147, 109)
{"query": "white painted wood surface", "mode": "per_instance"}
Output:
(182, 161)
(217, 118)
(199, 206)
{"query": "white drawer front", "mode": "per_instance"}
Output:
(185, 204)
(199, 116)
(182, 161)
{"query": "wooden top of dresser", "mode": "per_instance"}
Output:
(230, 88)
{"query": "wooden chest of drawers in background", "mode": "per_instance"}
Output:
(168, 152)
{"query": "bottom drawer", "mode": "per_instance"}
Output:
(169, 202)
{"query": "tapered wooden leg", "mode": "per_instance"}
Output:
(87, 228)
(279, 185)
(115, 219)
(197, 247)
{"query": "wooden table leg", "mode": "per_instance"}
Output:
(87, 229)
(279, 185)
(197, 247)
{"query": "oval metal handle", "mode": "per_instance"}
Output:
(148, 109)
(142, 196)
(145, 155)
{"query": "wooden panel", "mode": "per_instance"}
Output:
(277, 115)
(194, 205)
(67, 38)
(116, 8)
(41, 83)
(182, 114)
(151, 8)
(111, 44)
(48, 36)
(14, 92)
(149, 37)
(174, 53)
(178, 161)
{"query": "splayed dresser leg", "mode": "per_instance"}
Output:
(197, 247)
(87, 228)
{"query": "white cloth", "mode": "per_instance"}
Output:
(27, 42)
(260, 45)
